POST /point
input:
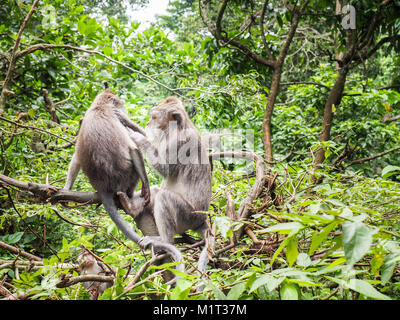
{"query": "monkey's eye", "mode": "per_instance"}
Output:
(153, 117)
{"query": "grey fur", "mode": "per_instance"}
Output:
(186, 190)
(112, 161)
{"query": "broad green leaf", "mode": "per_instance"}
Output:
(181, 290)
(289, 292)
(360, 286)
(224, 226)
(305, 283)
(269, 281)
(236, 291)
(389, 171)
(389, 262)
(357, 239)
(303, 260)
(281, 247)
(14, 237)
(318, 238)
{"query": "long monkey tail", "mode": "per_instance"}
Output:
(112, 210)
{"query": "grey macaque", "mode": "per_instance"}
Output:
(172, 145)
(112, 161)
(90, 266)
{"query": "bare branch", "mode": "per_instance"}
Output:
(359, 161)
(244, 210)
(70, 281)
(266, 48)
(13, 57)
(216, 31)
(18, 251)
(51, 193)
(34, 128)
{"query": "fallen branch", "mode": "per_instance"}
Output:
(244, 210)
(18, 251)
(67, 281)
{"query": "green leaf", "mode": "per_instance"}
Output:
(318, 238)
(181, 290)
(389, 262)
(360, 286)
(291, 251)
(269, 281)
(357, 239)
(236, 291)
(14, 237)
(303, 260)
(389, 171)
(224, 226)
(289, 292)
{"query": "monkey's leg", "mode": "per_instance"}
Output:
(145, 242)
(73, 170)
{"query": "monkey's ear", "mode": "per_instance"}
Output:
(176, 116)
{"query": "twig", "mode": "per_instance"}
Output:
(75, 223)
(359, 161)
(331, 294)
(256, 189)
(34, 128)
(141, 271)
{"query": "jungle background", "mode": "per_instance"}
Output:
(317, 218)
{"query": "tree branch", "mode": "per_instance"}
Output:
(51, 193)
(13, 57)
(266, 48)
(359, 161)
(217, 33)
(34, 128)
(244, 210)
(18, 251)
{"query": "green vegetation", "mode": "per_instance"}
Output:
(322, 102)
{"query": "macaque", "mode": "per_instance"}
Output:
(89, 265)
(173, 146)
(112, 162)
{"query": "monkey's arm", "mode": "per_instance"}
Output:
(73, 171)
(124, 119)
(151, 152)
(139, 166)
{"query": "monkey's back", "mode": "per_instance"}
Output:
(103, 150)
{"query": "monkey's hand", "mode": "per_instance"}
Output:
(145, 193)
(140, 140)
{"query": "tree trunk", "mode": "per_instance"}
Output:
(273, 93)
(334, 98)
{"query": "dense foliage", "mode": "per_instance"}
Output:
(316, 232)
